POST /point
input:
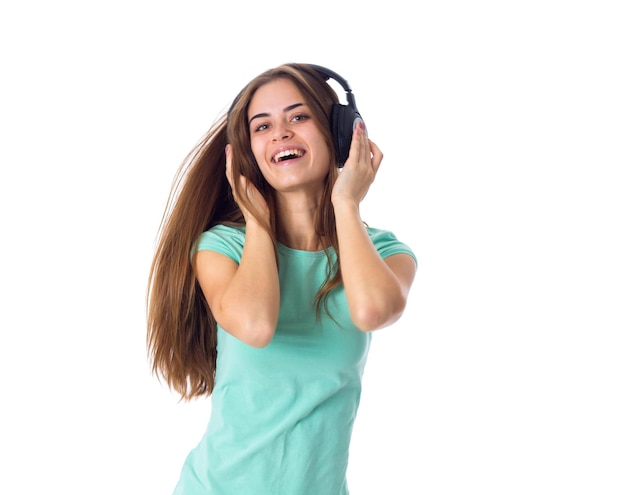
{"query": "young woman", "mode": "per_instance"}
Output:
(266, 285)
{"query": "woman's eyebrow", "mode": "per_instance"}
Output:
(286, 109)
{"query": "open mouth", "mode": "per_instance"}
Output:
(287, 155)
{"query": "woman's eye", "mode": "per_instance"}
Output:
(300, 117)
(261, 127)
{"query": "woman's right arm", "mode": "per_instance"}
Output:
(244, 298)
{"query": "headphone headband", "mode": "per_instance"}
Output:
(330, 74)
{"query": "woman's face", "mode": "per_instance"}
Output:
(288, 146)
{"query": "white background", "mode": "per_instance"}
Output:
(503, 127)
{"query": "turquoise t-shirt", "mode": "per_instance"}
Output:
(282, 415)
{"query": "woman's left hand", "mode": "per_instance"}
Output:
(359, 171)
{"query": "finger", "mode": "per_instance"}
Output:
(229, 171)
(362, 139)
(353, 154)
(228, 153)
(358, 146)
(376, 153)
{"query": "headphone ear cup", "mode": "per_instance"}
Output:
(342, 122)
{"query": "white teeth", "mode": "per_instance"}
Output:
(287, 153)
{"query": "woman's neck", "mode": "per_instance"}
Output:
(296, 227)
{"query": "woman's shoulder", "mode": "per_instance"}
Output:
(226, 239)
(225, 231)
(387, 243)
(380, 235)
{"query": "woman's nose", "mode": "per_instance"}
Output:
(281, 132)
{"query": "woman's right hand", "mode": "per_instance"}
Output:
(253, 197)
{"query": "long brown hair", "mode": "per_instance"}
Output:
(181, 330)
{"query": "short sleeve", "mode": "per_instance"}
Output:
(223, 239)
(387, 244)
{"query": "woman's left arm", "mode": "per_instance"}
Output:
(377, 289)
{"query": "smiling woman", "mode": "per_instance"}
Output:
(266, 284)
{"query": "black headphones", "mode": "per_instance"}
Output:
(343, 118)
